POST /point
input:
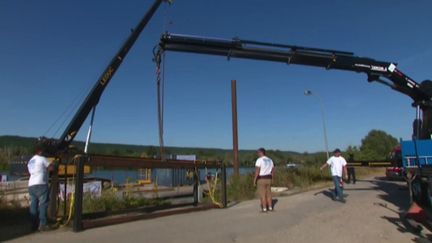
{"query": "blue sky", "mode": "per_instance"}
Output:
(53, 51)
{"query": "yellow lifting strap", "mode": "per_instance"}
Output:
(212, 188)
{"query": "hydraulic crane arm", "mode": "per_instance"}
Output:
(383, 72)
(95, 93)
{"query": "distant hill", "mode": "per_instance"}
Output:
(17, 141)
(246, 157)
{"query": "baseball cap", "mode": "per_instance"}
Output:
(337, 151)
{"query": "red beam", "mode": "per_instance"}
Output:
(136, 162)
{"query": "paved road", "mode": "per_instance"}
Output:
(370, 215)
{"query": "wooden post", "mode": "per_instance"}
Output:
(236, 165)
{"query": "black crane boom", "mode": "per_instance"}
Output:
(291, 54)
(383, 72)
(96, 92)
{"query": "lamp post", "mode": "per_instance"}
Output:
(309, 93)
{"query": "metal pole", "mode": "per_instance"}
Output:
(90, 130)
(418, 122)
(79, 181)
(236, 165)
(195, 187)
(224, 188)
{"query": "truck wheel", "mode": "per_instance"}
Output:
(428, 195)
(417, 191)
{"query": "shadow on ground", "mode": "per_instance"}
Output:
(274, 202)
(328, 193)
(14, 223)
(397, 194)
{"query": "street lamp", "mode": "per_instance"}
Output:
(309, 93)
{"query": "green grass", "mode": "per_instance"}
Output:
(110, 201)
(241, 188)
(362, 172)
(4, 167)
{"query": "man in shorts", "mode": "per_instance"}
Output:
(264, 173)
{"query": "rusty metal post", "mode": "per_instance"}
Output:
(236, 165)
(79, 181)
(224, 187)
(195, 187)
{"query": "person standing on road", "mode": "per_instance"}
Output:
(338, 169)
(351, 170)
(264, 173)
(38, 167)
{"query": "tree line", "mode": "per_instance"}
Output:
(376, 145)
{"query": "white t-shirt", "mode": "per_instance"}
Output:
(266, 165)
(336, 165)
(37, 167)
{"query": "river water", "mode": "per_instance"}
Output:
(166, 177)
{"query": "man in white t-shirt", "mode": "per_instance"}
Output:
(338, 169)
(264, 174)
(38, 168)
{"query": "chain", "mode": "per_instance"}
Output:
(160, 98)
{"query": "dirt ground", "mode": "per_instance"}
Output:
(371, 214)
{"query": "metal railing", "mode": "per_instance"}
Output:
(412, 161)
(80, 223)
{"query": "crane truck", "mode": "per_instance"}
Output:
(415, 160)
(416, 153)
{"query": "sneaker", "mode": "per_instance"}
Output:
(264, 210)
(270, 209)
(43, 228)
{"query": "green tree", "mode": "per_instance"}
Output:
(150, 152)
(377, 145)
(354, 151)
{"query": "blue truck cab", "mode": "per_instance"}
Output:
(417, 160)
(416, 154)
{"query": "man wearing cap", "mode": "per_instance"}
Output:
(338, 168)
(264, 174)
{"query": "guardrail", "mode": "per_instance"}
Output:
(369, 163)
